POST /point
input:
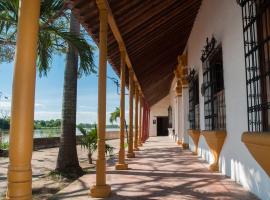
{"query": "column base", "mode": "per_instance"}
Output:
(136, 149)
(179, 142)
(214, 167)
(100, 191)
(131, 155)
(8, 197)
(123, 166)
(19, 183)
(185, 145)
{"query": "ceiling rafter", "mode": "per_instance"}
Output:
(154, 33)
(119, 39)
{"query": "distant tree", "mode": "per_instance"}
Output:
(114, 116)
(5, 123)
(42, 123)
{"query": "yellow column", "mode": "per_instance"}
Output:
(101, 189)
(140, 123)
(136, 119)
(130, 153)
(121, 165)
(23, 98)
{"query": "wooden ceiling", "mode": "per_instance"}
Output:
(155, 32)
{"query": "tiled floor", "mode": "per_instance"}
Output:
(161, 170)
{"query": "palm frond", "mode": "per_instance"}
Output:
(115, 115)
(45, 53)
(50, 10)
(11, 8)
(53, 35)
(85, 51)
(82, 130)
(89, 141)
(8, 15)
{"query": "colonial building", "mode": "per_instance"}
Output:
(198, 69)
(223, 112)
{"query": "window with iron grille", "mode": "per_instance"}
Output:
(213, 88)
(256, 28)
(194, 112)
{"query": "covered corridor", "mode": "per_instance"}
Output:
(162, 170)
(199, 63)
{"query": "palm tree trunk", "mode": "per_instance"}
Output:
(67, 161)
(126, 130)
(90, 158)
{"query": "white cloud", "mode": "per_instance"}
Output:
(82, 116)
(5, 105)
(47, 115)
(85, 114)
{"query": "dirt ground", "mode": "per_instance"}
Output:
(44, 183)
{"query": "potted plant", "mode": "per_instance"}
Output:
(89, 141)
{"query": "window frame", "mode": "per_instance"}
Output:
(213, 87)
(256, 34)
(194, 101)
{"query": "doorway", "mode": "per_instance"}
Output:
(162, 126)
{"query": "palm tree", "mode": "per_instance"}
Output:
(54, 38)
(114, 116)
(89, 141)
(67, 160)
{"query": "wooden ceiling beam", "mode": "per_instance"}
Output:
(163, 50)
(155, 78)
(118, 37)
(124, 7)
(152, 32)
(169, 39)
(135, 18)
(174, 19)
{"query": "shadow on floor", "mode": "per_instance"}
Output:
(161, 170)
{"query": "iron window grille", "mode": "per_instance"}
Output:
(194, 108)
(213, 87)
(256, 31)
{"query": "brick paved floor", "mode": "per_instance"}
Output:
(161, 170)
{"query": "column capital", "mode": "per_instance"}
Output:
(177, 73)
(102, 5)
(178, 88)
(182, 59)
(181, 71)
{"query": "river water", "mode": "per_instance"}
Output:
(43, 133)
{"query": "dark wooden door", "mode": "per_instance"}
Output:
(162, 126)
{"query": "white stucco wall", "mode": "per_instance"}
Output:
(158, 110)
(223, 20)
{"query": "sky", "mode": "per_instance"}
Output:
(49, 91)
